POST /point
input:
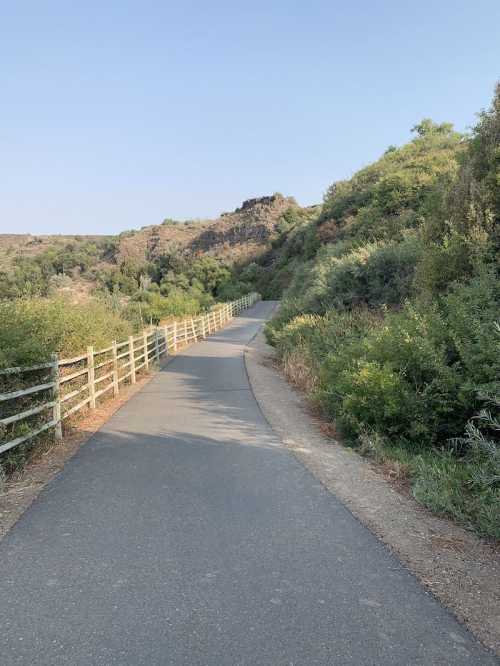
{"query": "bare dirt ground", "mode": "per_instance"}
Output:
(460, 569)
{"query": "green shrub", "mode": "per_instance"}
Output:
(390, 271)
(150, 307)
(375, 274)
(412, 375)
(371, 395)
(386, 197)
(233, 289)
(394, 321)
(472, 314)
(406, 379)
(466, 484)
(302, 332)
(33, 328)
(443, 483)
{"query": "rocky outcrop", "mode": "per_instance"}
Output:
(232, 236)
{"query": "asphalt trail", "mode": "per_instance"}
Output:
(183, 533)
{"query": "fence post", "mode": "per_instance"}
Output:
(146, 358)
(193, 330)
(91, 375)
(157, 347)
(165, 333)
(203, 334)
(175, 335)
(116, 386)
(56, 410)
(131, 357)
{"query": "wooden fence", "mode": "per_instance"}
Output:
(65, 386)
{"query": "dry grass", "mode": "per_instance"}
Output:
(298, 371)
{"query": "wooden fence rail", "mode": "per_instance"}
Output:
(77, 383)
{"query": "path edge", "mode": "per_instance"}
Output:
(454, 565)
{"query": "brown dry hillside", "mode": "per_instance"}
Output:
(12, 246)
(233, 236)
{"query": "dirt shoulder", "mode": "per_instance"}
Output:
(460, 569)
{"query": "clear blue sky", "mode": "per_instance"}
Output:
(116, 115)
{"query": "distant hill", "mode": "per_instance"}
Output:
(233, 236)
(13, 246)
(77, 263)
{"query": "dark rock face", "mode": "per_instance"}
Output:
(273, 200)
(252, 224)
(232, 236)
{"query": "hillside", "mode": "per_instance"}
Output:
(233, 236)
(390, 301)
(143, 276)
(390, 314)
(15, 246)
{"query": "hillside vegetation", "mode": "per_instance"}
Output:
(390, 320)
(81, 265)
(390, 303)
(60, 293)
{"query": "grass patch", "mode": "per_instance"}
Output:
(460, 487)
(447, 457)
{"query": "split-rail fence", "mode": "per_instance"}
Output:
(66, 386)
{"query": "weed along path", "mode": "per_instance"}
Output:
(184, 533)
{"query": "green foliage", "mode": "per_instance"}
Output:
(467, 486)
(150, 307)
(33, 328)
(410, 374)
(32, 276)
(472, 314)
(295, 241)
(234, 289)
(210, 273)
(476, 196)
(171, 285)
(394, 319)
(387, 196)
(397, 382)
(375, 274)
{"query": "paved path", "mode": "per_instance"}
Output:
(183, 533)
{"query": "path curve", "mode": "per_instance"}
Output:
(183, 533)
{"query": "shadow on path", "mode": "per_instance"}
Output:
(183, 533)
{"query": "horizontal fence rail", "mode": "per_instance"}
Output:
(70, 385)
